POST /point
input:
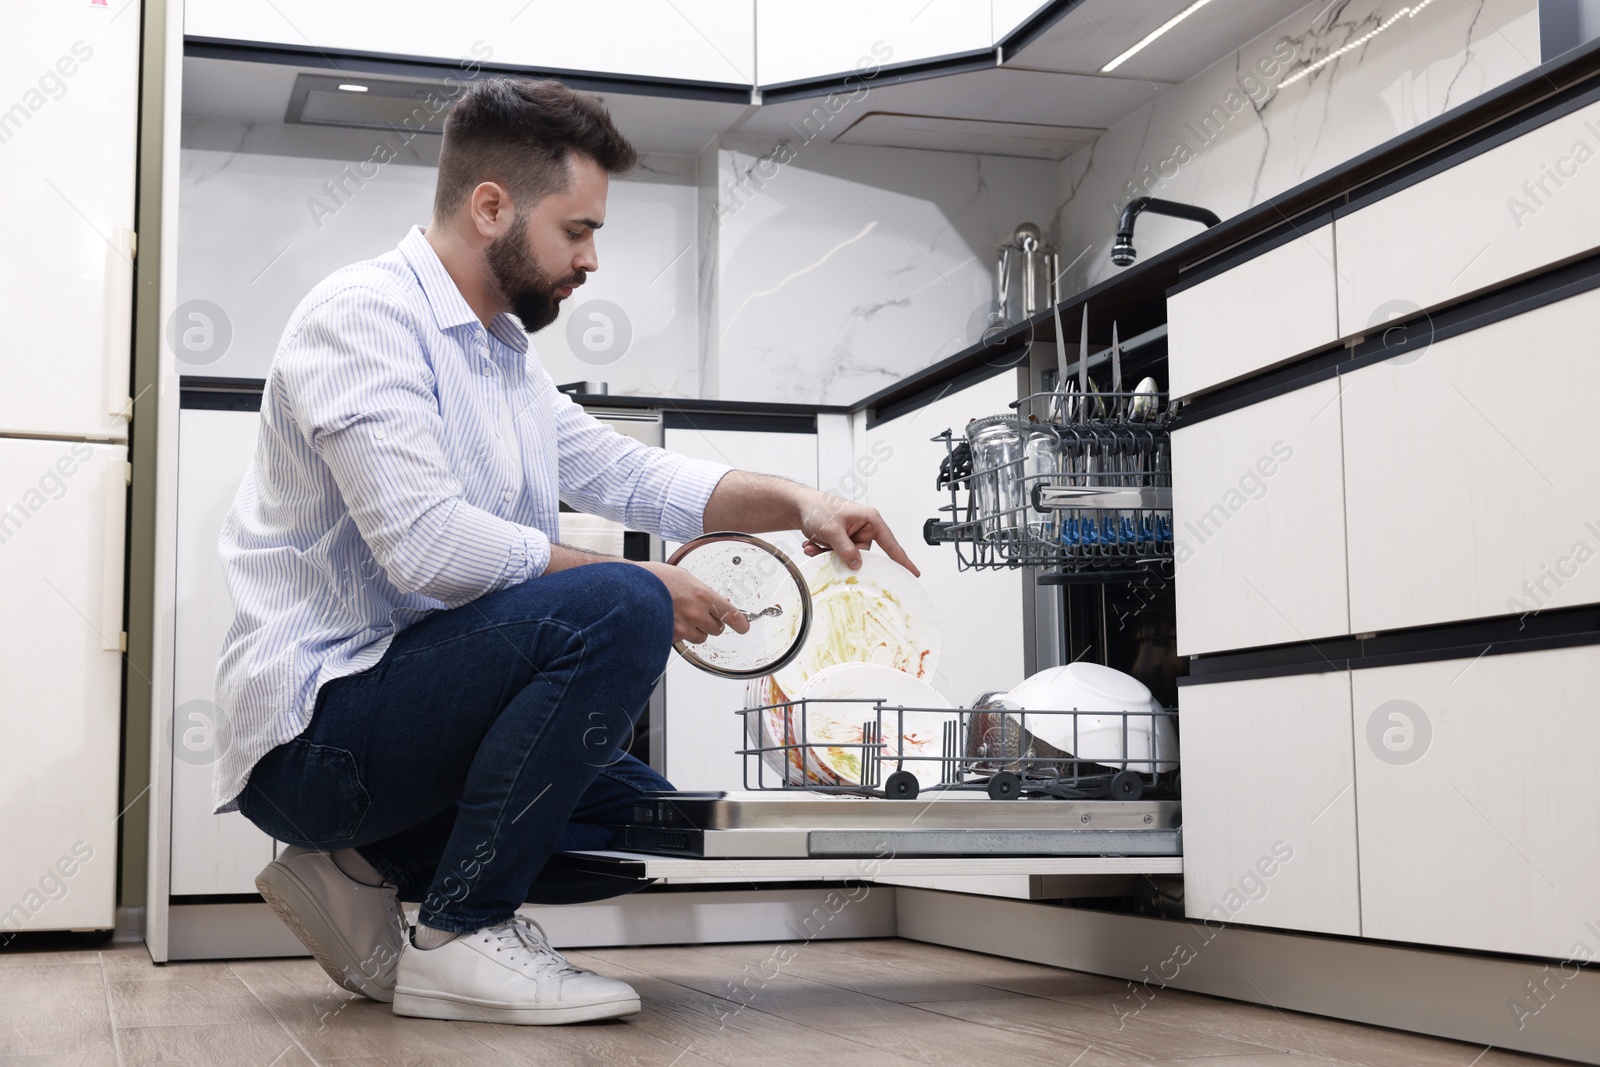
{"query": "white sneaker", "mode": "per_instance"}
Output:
(356, 932)
(505, 974)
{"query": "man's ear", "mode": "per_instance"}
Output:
(491, 209)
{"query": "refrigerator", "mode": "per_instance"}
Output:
(69, 89)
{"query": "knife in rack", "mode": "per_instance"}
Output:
(1061, 367)
(1083, 367)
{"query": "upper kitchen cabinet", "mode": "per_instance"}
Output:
(1468, 497)
(1524, 204)
(1258, 515)
(800, 42)
(68, 275)
(1274, 306)
(686, 40)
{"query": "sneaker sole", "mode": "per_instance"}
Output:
(294, 904)
(465, 1009)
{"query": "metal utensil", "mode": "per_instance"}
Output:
(1116, 368)
(1145, 401)
(1061, 365)
(773, 612)
(1083, 366)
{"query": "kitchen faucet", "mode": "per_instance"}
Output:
(1122, 253)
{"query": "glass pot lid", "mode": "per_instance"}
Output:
(759, 580)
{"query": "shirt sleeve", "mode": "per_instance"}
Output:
(606, 473)
(357, 387)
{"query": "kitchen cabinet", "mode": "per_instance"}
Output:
(69, 136)
(688, 40)
(1269, 803)
(1520, 206)
(1468, 498)
(62, 522)
(1258, 515)
(980, 613)
(209, 853)
(1477, 802)
(800, 42)
(1269, 309)
(704, 730)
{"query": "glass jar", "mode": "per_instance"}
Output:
(997, 454)
(1041, 465)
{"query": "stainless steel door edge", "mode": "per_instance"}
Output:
(842, 843)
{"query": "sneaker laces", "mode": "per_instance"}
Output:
(526, 937)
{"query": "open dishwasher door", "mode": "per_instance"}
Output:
(785, 835)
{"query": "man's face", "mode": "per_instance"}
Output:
(548, 249)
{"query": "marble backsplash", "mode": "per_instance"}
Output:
(1321, 87)
(845, 269)
(260, 225)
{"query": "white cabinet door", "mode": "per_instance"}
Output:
(1258, 514)
(68, 77)
(797, 42)
(1267, 310)
(1467, 497)
(1511, 210)
(980, 612)
(210, 853)
(62, 534)
(1269, 803)
(691, 40)
(704, 728)
(1477, 801)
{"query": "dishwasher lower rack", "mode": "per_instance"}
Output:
(868, 747)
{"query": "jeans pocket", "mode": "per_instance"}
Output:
(306, 794)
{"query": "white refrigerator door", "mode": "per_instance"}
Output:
(210, 853)
(62, 532)
(68, 83)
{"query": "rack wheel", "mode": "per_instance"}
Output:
(1126, 785)
(901, 785)
(1005, 786)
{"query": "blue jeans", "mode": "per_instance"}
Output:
(487, 738)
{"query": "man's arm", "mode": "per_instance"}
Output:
(759, 503)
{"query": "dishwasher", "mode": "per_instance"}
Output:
(1073, 484)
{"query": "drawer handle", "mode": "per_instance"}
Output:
(119, 320)
(116, 502)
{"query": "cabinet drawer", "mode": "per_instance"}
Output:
(1468, 497)
(1272, 308)
(1269, 820)
(1477, 802)
(1480, 223)
(1258, 513)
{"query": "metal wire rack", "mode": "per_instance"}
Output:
(1078, 484)
(866, 746)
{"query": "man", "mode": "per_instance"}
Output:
(428, 694)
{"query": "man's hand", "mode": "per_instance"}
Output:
(756, 503)
(845, 527)
(697, 611)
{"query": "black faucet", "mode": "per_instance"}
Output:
(1122, 253)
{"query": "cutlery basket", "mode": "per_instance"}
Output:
(866, 746)
(1077, 484)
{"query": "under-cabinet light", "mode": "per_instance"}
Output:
(347, 87)
(1153, 34)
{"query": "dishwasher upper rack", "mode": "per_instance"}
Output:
(1095, 507)
(989, 747)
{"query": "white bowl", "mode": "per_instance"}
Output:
(1152, 740)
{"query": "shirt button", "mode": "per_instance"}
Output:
(486, 372)
(507, 497)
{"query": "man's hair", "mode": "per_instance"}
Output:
(521, 133)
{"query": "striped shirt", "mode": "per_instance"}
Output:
(408, 461)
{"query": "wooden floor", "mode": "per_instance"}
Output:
(817, 1005)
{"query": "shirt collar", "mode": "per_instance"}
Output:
(450, 308)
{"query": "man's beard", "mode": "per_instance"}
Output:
(530, 292)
